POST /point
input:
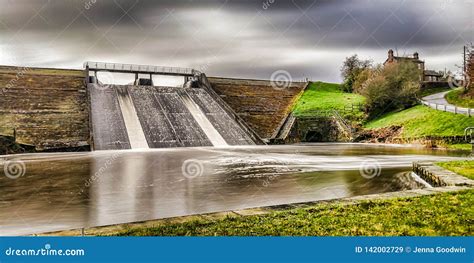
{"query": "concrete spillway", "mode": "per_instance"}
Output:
(107, 124)
(132, 124)
(211, 132)
(125, 117)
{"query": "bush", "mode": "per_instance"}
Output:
(393, 86)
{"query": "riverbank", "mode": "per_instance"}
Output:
(425, 212)
(442, 214)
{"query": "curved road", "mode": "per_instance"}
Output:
(438, 101)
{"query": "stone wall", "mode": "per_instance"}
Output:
(261, 106)
(46, 107)
(438, 177)
(434, 84)
(319, 129)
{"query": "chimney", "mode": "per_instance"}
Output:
(390, 55)
(415, 55)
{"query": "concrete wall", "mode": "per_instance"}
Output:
(47, 107)
(261, 106)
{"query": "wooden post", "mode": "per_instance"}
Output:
(464, 71)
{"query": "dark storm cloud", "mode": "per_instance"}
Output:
(233, 38)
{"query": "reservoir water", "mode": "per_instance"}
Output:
(59, 191)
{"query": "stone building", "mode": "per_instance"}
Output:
(425, 75)
(433, 76)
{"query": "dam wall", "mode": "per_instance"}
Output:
(258, 103)
(51, 110)
(44, 108)
(160, 117)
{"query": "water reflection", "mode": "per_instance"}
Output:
(65, 191)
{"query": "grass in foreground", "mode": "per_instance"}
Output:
(464, 168)
(440, 214)
(457, 98)
(328, 96)
(422, 121)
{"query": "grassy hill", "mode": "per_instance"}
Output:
(458, 98)
(327, 96)
(423, 121)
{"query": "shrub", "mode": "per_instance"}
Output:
(393, 86)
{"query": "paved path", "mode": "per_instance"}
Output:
(437, 101)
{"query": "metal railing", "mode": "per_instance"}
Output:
(449, 108)
(103, 66)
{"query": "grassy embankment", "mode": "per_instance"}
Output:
(445, 214)
(421, 121)
(320, 96)
(458, 98)
(464, 168)
(417, 122)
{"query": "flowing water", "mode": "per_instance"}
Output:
(132, 124)
(58, 191)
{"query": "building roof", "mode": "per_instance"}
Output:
(407, 58)
(433, 73)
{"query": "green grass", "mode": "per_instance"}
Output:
(327, 96)
(443, 214)
(455, 97)
(459, 146)
(464, 168)
(421, 121)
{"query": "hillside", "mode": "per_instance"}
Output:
(321, 96)
(421, 121)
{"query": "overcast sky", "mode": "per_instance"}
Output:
(248, 39)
